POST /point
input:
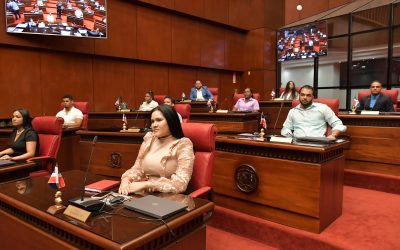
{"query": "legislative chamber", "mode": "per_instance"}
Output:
(252, 124)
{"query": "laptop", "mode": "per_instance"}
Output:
(4, 163)
(156, 207)
(322, 139)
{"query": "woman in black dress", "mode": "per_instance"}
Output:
(24, 142)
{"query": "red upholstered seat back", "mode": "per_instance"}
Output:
(202, 136)
(184, 111)
(333, 103)
(237, 96)
(214, 92)
(159, 99)
(393, 93)
(49, 129)
(281, 90)
(84, 107)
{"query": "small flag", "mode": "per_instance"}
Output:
(355, 102)
(273, 93)
(56, 180)
(263, 121)
(117, 102)
(124, 118)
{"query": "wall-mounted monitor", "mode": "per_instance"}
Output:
(302, 42)
(74, 18)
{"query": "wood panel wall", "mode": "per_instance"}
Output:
(162, 45)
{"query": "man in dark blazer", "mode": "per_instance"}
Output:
(376, 101)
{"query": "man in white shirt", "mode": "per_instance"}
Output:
(50, 18)
(148, 103)
(78, 13)
(71, 115)
(309, 119)
(170, 101)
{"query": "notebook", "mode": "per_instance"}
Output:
(157, 207)
(101, 185)
(4, 163)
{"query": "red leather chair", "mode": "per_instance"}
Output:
(333, 103)
(202, 136)
(393, 93)
(237, 96)
(184, 111)
(84, 107)
(49, 130)
(281, 90)
(214, 92)
(159, 99)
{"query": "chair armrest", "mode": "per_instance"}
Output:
(41, 159)
(200, 192)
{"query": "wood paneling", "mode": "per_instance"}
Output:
(291, 14)
(311, 7)
(254, 57)
(212, 46)
(121, 37)
(153, 35)
(234, 50)
(186, 41)
(150, 77)
(162, 3)
(248, 14)
(217, 10)
(72, 44)
(255, 81)
(181, 80)
(210, 78)
(274, 14)
(227, 88)
(335, 3)
(269, 49)
(111, 80)
(193, 7)
(20, 82)
(269, 83)
(62, 74)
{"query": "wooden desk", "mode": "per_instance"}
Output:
(112, 121)
(115, 152)
(375, 143)
(299, 186)
(34, 16)
(14, 172)
(196, 107)
(229, 122)
(271, 110)
(26, 225)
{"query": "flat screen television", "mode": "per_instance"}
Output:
(302, 42)
(73, 18)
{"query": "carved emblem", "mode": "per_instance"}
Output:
(115, 160)
(246, 178)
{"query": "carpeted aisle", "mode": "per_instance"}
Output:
(370, 220)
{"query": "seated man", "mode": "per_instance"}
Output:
(200, 92)
(248, 103)
(310, 119)
(170, 101)
(148, 103)
(71, 115)
(78, 13)
(50, 18)
(376, 101)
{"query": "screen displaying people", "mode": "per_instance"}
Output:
(310, 119)
(290, 92)
(247, 103)
(170, 101)
(72, 116)
(165, 159)
(148, 104)
(376, 101)
(24, 141)
(200, 92)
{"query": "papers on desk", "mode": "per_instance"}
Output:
(22, 25)
(246, 134)
(18, 30)
(41, 25)
(224, 111)
(82, 31)
(10, 29)
(77, 34)
(369, 112)
(65, 33)
(65, 24)
(281, 139)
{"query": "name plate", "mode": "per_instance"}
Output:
(369, 112)
(224, 111)
(77, 213)
(278, 99)
(281, 139)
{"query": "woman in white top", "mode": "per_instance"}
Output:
(290, 92)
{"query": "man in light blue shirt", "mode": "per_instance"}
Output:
(310, 119)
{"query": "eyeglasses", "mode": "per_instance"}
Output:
(376, 87)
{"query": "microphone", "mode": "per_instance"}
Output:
(277, 118)
(88, 203)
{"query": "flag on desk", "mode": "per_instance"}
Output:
(117, 102)
(273, 94)
(263, 121)
(56, 180)
(355, 102)
(124, 120)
